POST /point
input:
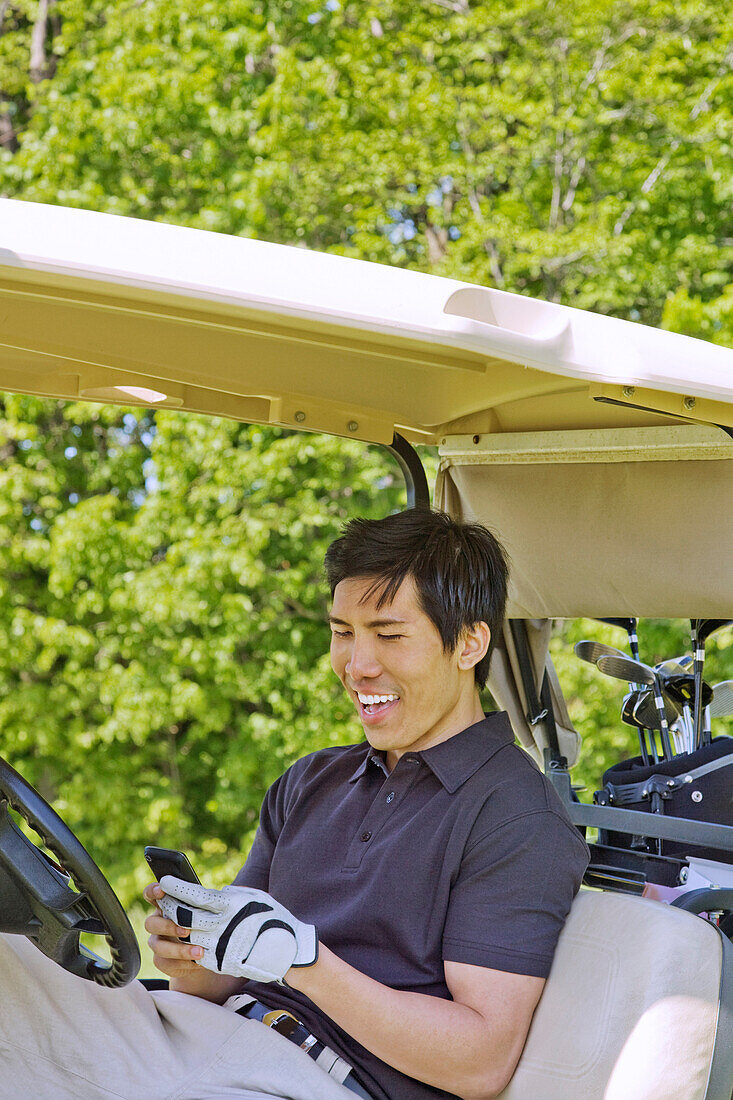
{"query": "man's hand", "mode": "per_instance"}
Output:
(180, 960)
(243, 932)
(171, 956)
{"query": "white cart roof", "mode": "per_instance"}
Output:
(100, 307)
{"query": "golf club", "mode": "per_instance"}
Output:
(646, 709)
(629, 625)
(591, 651)
(627, 715)
(680, 688)
(721, 705)
(700, 630)
(622, 668)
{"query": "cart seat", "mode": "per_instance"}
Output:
(638, 1006)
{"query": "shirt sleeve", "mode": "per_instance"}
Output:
(513, 893)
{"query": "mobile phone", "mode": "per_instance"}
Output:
(169, 861)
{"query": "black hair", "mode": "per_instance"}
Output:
(460, 570)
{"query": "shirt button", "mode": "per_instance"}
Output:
(390, 796)
(366, 836)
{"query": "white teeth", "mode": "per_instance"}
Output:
(367, 700)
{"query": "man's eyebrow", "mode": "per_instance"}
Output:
(374, 623)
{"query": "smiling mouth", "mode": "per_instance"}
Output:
(374, 706)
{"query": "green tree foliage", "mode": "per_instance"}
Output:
(708, 319)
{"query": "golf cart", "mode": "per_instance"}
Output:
(552, 425)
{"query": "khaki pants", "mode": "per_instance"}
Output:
(64, 1038)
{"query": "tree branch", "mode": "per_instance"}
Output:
(437, 239)
(563, 261)
(303, 611)
(559, 167)
(460, 7)
(578, 170)
(492, 252)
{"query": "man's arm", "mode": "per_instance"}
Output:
(469, 1046)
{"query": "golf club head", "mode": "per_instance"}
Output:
(666, 669)
(681, 689)
(645, 711)
(706, 627)
(722, 701)
(627, 709)
(591, 651)
(623, 668)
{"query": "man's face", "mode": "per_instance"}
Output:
(409, 693)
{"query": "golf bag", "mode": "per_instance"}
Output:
(696, 785)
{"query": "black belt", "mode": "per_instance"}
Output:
(287, 1025)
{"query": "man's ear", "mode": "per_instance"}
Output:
(473, 645)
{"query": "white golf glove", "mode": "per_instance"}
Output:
(243, 932)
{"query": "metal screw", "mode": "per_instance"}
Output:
(696, 796)
(683, 875)
(689, 402)
(352, 425)
(628, 391)
(476, 438)
(300, 416)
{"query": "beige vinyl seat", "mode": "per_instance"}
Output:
(638, 1006)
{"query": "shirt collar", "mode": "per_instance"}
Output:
(454, 761)
(373, 759)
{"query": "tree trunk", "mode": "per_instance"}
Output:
(8, 139)
(40, 69)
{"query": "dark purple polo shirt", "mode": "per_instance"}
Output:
(463, 852)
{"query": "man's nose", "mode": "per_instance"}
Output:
(362, 662)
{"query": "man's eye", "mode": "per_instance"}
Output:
(391, 637)
(341, 633)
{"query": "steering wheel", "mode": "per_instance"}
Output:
(37, 896)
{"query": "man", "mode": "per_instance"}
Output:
(403, 896)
